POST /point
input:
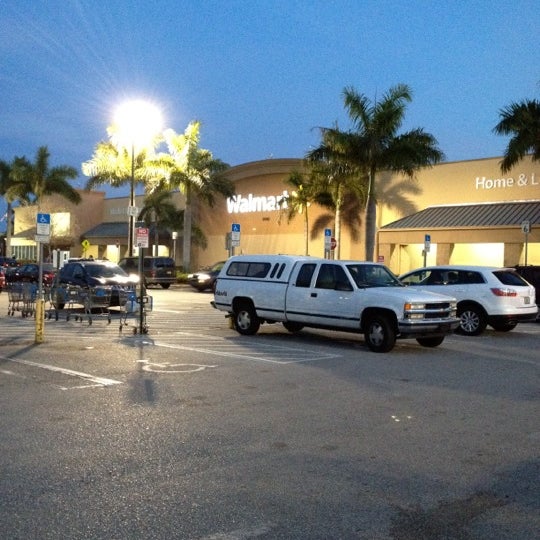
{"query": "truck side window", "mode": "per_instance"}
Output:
(342, 281)
(305, 274)
(332, 276)
(325, 279)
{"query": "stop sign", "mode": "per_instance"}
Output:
(333, 243)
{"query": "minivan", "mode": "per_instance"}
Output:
(156, 270)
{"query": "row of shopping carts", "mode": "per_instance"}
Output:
(64, 302)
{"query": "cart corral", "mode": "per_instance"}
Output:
(83, 304)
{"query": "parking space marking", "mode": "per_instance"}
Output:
(98, 381)
(274, 354)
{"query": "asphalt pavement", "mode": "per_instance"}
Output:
(190, 431)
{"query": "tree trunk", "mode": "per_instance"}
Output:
(306, 234)
(186, 240)
(337, 226)
(371, 228)
(9, 220)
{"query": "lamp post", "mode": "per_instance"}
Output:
(136, 123)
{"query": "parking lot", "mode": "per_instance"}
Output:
(192, 431)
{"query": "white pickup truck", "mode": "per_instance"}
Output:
(340, 295)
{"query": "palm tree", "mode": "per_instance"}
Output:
(335, 176)
(195, 172)
(304, 193)
(159, 209)
(374, 145)
(39, 180)
(521, 121)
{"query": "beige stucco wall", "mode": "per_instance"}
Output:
(82, 217)
(476, 181)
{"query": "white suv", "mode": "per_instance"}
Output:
(486, 295)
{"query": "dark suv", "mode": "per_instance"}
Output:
(156, 270)
(531, 273)
(94, 273)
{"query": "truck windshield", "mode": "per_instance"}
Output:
(372, 275)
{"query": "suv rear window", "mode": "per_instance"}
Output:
(508, 277)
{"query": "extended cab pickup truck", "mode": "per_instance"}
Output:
(340, 295)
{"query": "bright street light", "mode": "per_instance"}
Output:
(136, 124)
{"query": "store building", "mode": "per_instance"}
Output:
(462, 212)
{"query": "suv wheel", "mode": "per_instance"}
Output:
(473, 320)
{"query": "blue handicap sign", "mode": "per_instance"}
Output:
(235, 227)
(327, 232)
(44, 218)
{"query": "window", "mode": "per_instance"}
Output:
(247, 269)
(305, 274)
(332, 276)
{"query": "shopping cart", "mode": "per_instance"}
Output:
(62, 298)
(15, 298)
(96, 302)
(22, 297)
(130, 307)
(30, 294)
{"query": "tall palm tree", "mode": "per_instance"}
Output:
(336, 177)
(159, 209)
(195, 172)
(303, 193)
(39, 179)
(522, 121)
(11, 190)
(374, 145)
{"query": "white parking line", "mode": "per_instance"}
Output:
(288, 356)
(101, 381)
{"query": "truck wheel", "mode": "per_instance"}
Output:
(292, 326)
(246, 321)
(379, 334)
(473, 320)
(430, 341)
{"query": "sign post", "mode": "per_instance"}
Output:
(327, 243)
(526, 228)
(235, 236)
(43, 235)
(427, 246)
(142, 239)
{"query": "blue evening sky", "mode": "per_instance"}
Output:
(261, 75)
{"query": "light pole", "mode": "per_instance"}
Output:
(136, 124)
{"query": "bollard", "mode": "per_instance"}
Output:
(40, 320)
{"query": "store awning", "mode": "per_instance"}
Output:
(503, 214)
(117, 231)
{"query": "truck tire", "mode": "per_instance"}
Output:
(473, 320)
(379, 334)
(293, 326)
(246, 321)
(430, 341)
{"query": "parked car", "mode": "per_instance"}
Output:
(8, 262)
(94, 273)
(29, 273)
(531, 274)
(486, 295)
(205, 278)
(156, 270)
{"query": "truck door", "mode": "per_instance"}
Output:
(322, 294)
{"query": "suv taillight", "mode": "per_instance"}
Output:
(503, 292)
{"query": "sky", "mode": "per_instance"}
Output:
(260, 75)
